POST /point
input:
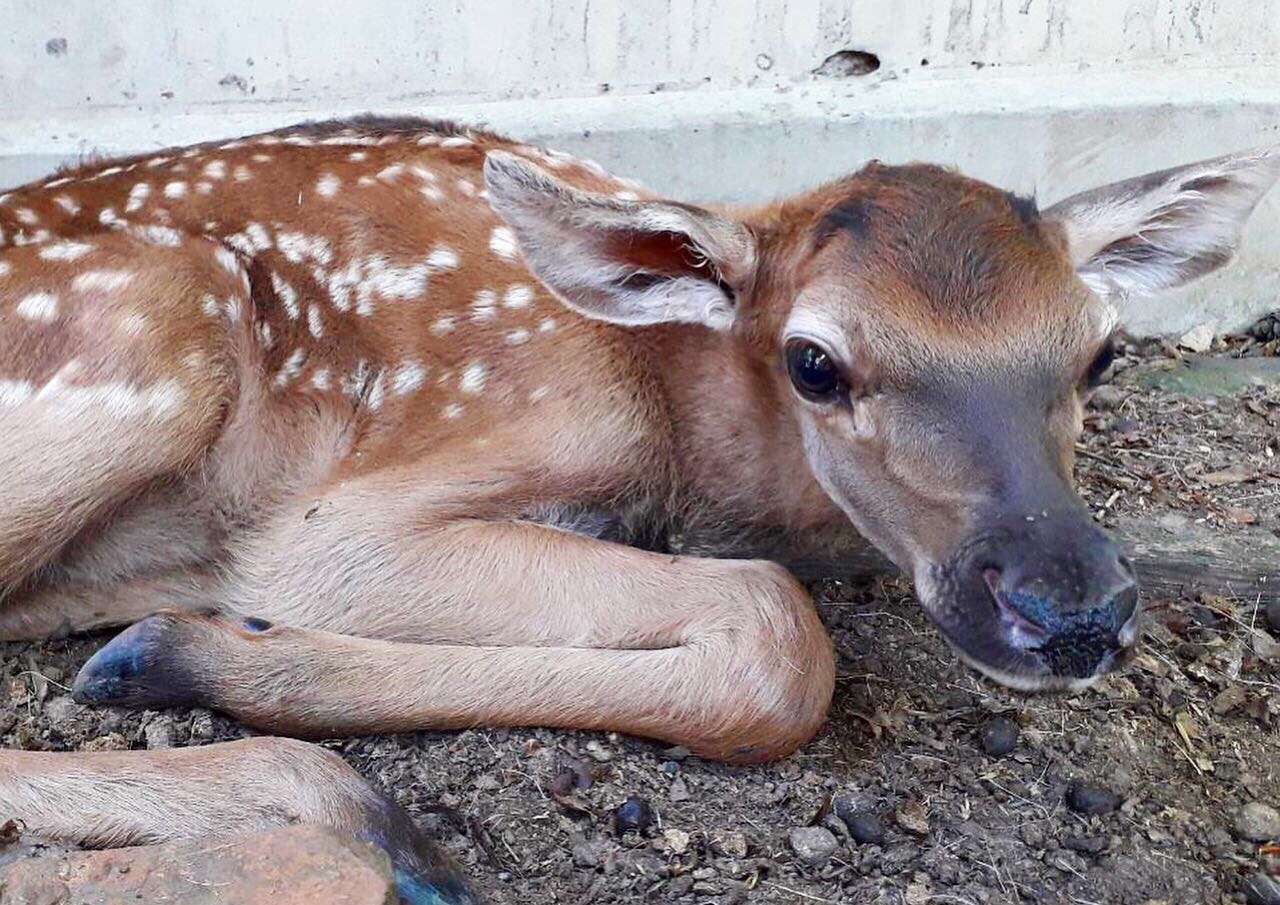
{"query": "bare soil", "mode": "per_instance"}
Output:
(1185, 736)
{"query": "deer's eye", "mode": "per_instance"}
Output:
(1101, 364)
(813, 373)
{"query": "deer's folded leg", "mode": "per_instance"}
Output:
(114, 799)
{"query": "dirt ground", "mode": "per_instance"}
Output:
(1169, 751)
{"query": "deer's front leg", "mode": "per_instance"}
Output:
(529, 626)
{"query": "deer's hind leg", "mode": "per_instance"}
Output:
(115, 375)
(109, 800)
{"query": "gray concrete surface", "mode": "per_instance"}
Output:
(722, 100)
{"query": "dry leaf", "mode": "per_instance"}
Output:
(1198, 339)
(1241, 516)
(912, 818)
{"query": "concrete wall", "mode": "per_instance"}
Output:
(711, 99)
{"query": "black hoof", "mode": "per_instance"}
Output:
(140, 667)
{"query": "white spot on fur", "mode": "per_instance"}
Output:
(137, 197)
(377, 392)
(38, 306)
(320, 379)
(160, 235)
(408, 377)
(547, 325)
(328, 185)
(215, 169)
(108, 217)
(157, 162)
(456, 141)
(443, 258)
(539, 394)
(389, 174)
(204, 188)
(287, 295)
(5, 268)
(227, 260)
(452, 411)
(517, 296)
(503, 243)
(68, 204)
(467, 187)
(483, 307)
(299, 247)
(444, 325)
(518, 337)
(314, 324)
(26, 216)
(241, 174)
(209, 305)
(358, 156)
(291, 368)
(261, 158)
(65, 251)
(258, 235)
(101, 280)
(473, 378)
(626, 196)
(175, 190)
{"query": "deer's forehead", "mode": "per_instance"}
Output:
(883, 327)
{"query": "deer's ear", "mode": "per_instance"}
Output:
(626, 262)
(1164, 229)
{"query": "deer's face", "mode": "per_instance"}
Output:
(935, 339)
(937, 351)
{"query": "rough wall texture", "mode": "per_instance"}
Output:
(731, 100)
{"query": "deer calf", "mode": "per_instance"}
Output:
(378, 425)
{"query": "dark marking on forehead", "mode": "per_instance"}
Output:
(1024, 206)
(853, 215)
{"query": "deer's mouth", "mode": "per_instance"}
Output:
(1027, 639)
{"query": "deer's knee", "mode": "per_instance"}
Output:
(776, 667)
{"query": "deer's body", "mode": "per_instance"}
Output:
(393, 454)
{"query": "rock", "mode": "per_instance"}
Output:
(633, 815)
(159, 732)
(865, 828)
(677, 840)
(1261, 890)
(592, 853)
(1087, 845)
(999, 736)
(812, 844)
(1198, 338)
(296, 865)
(1273, 615)
(730, 843)
(679, 790)
(1086, 798)
(1257, 822)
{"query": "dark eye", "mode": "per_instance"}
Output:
(813, 372)
(1097, 373)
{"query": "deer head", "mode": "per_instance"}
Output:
(934, 339)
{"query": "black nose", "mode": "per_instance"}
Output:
(1072, 606)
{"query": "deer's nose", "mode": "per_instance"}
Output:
(1073, 612)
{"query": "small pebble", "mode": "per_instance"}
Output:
(812, 844)
(1257, 822)
(1262, 890)
(679, 790)
(999, 736)
(634, 814)
(865, 828)
(1090, 799)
